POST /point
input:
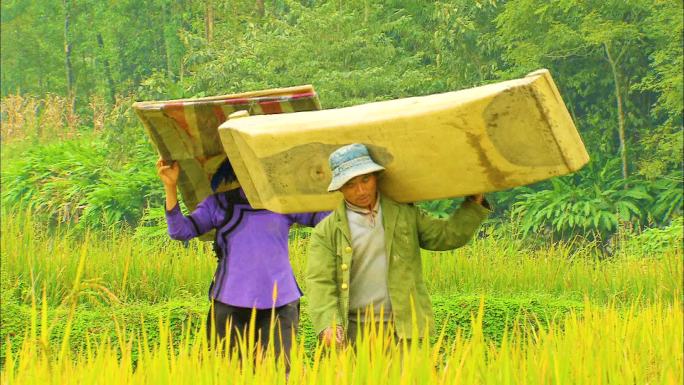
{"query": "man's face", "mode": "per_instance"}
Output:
(361, 190)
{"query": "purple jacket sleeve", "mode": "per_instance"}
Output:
(309, 219)
(201, 220)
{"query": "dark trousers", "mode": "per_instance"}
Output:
(224, 319)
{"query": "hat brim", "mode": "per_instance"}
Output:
(345, 177)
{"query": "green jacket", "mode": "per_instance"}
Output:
(407, 229)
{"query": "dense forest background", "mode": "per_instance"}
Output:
(74, 152)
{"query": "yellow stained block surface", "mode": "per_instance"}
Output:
(453, 144)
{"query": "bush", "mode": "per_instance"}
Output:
(79, 181)
(54, 179)
(440, 208)
(656, 241)
(594, 202)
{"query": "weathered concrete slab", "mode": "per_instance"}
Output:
(478, 140)
(186, 130)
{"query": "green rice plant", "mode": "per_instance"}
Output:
(34, 256)
(135, 270)
(451, 312)
(59, 269)
(596, 345)
(501, 265)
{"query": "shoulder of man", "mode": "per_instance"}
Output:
(406, 207)
(329, 222)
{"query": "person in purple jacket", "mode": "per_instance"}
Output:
(253, 270)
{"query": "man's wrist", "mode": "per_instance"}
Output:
(480, 202)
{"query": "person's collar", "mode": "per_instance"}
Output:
(371, 215)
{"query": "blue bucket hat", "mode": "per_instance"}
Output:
(348, 162)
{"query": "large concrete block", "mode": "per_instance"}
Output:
(186, 130)
(477, 140)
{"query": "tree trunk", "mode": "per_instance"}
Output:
(209, 21)
(162, 44)
(67, 55)
(167, 50)
(261, 10)
(107, 70)
(620, 112)
(181, 25)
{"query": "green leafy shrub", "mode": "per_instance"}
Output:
(667, 191)
(655, 241)
(595, 201)
(80, 181)
(152, 228)
(55, 179)
(440, 208)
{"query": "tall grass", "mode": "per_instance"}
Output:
(121, 267)
(598, 345)
(629, 331)
(118, 267)
(51, 117)
(27, 117)
(501, 265)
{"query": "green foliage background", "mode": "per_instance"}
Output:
(618, 65)
(78, 177)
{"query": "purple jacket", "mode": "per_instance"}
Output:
(253, 247)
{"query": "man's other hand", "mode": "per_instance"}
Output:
(479, 198)
(329, 334)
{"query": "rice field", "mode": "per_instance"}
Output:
(626, 327)
(599, 345)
